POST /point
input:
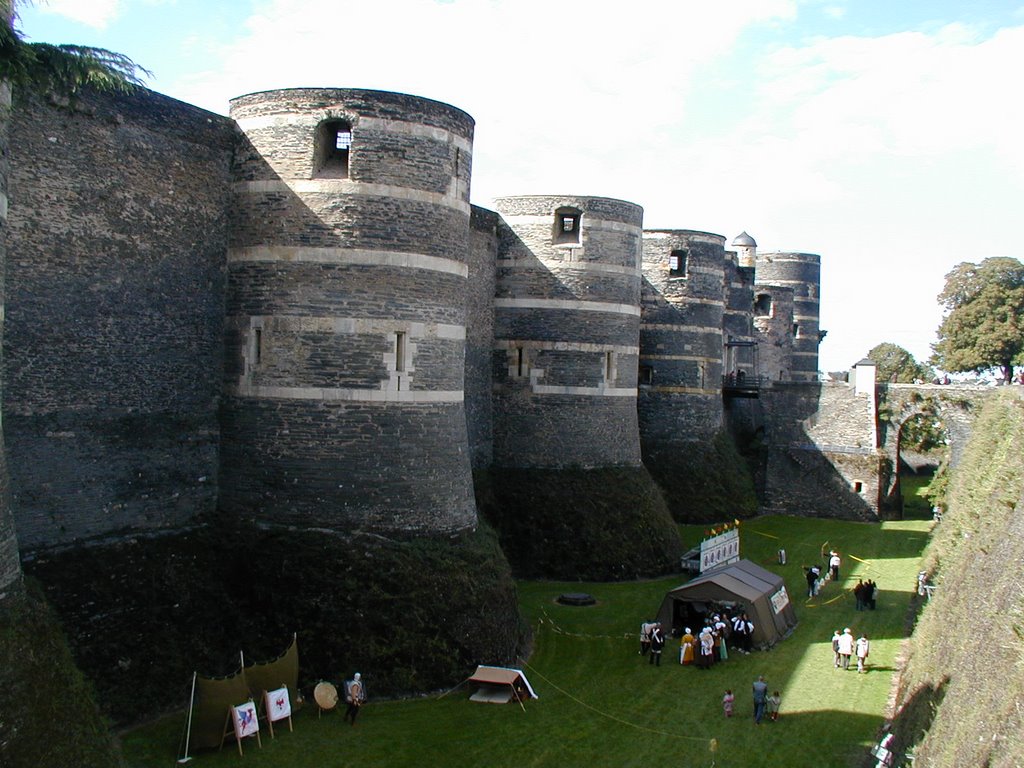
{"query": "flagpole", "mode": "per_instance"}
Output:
(188, 727)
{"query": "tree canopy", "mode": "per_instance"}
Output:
(62, 68)
(983, 322)
(895, 364)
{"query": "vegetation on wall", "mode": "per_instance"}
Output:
(411, 615)
(961, 686)
(580, 524)
(707, 482)
(896, 365)
(48, 717)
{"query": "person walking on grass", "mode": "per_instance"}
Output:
(727, 702)
(772, 709)
(845, 648)
(760, 691)
(863, 649)
(835, 648)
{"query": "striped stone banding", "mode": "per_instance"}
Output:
(679, 327)
(312, 119)
(589, 222)
(581, 265)
(335, 187)
(683, 358)
(334, 394)
(546, 389)
(564, 346)
(357, 325)
(568, 304)
(682, 391)
(354, 256)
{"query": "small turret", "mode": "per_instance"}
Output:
(746, 249)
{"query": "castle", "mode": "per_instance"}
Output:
(293, 318)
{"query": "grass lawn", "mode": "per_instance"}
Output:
(601, 704)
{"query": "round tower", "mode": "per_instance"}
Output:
(802, 273)
(346, 332)
(680, 396)
(567, 326)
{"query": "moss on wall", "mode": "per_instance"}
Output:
(707, 482)
(49, 717)
(587, 524)
(412, 615)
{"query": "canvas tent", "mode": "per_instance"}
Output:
(742, 587)
(500, 685)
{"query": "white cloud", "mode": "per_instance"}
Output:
(94, 13)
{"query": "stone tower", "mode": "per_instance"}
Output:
(345, 341)
(680, 397)
(567, 327)
(802, 273)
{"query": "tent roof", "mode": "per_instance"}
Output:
(742, 578)
(500, 676)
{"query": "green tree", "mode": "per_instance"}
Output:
(62, 68)
(897, 365)
(983, 322)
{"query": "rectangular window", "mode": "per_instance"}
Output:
(520, 362)
(646, 375)
(609, 367)
(400, 351)
(677, 263)
(257, 346)
(567, 226)
(763, 305)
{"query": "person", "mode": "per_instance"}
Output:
(774, 701)
(657, 643)
(833, 564)
(845, 644)
(727, 701)
(707, 648)
(812, 580)
(742, 630)
(645, 637)
(721, 653)
(355, 696)
(863, 649)
(869, 594)
(835, 648)
(858, 594)
(686, 643)
(760, 698)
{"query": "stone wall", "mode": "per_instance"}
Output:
(483, 254)
(774, 331)
(567, 317)
(822, 457)
(346, 313)
(115, 290)
(802, 273)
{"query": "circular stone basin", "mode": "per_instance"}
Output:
(576, 598)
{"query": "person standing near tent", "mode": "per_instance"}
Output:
(657, 643)
(355, 696)
(686, 643)
(645, 637)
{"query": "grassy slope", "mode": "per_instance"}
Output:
(965, 677)
(602, 704)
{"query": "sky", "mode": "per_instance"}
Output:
(885, 136)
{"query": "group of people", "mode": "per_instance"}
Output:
(844, 648)
(704, 649)
(864, 594)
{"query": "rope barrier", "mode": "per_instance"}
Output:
(607, 715)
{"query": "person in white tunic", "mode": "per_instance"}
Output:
(863, 649)
(845, 644)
